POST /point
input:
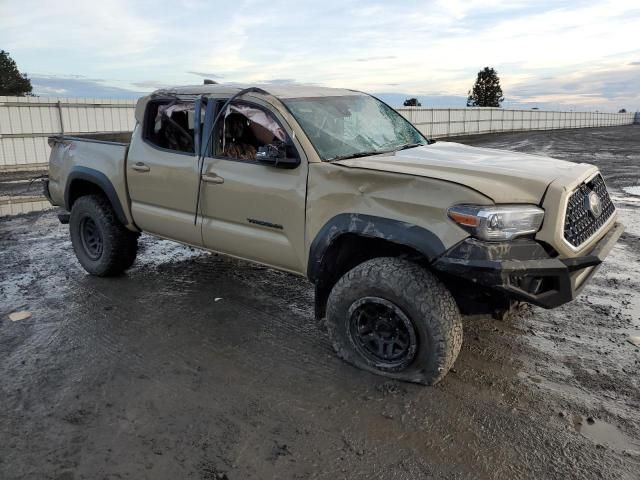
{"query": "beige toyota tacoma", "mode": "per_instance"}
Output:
(400, 235)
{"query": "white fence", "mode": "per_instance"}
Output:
(26, 122)
(450, 122)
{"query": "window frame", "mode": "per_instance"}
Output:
(220, 103)
(149, 122)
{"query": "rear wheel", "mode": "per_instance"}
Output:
(392, 317)
(103, 246)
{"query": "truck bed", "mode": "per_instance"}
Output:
(96, 157)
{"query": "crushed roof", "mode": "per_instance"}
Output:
(281, 91)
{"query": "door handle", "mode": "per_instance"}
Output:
(212, 178)
(140, 167)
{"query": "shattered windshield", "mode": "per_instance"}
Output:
(352, 126)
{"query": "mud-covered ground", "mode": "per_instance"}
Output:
(197, 366)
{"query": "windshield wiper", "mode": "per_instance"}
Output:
(357, 154)
(408, 145)
(376, 152)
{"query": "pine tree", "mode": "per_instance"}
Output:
(12, 82)
(486, 91)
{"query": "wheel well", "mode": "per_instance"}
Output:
(79, 188)
(88, 181)
(351, 249)
(348, 251)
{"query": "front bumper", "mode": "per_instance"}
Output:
(523, 270)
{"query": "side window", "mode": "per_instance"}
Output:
(246, 129)
(169, 124)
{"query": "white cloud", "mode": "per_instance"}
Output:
(47, 91)
(108, 28)
(424, 48)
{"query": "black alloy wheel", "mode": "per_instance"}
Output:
(91, 238)
(381, 332)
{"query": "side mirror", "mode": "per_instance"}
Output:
(276, 156)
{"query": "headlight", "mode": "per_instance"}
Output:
(497, 223)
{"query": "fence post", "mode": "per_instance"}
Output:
(448, 121)
(431, 124)
(60, 116)
(464, 122)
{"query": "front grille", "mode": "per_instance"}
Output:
(579, 222)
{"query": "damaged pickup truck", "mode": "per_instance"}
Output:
(400, 235)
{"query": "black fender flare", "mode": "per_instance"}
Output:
(402, 233)
(99, 179)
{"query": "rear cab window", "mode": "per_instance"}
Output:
(169, 125)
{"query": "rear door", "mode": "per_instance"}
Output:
(253, 210)
(162, 172)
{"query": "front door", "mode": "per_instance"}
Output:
(250, 209)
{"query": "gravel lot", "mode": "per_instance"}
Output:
(198, 366)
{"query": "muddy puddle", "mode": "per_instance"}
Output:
(17, 205)
(606, 434)
(21, 192)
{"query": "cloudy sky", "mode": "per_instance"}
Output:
(549, 53)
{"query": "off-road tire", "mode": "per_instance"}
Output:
(423, 299)
(119, 245)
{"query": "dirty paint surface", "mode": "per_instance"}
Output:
(196, 366)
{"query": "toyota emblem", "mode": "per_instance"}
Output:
(593, 204)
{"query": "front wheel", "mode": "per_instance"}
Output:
(393, 317)
(103, 246)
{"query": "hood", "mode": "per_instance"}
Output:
(503, 176)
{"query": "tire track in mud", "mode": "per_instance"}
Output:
(287, 335)
(104, 344)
